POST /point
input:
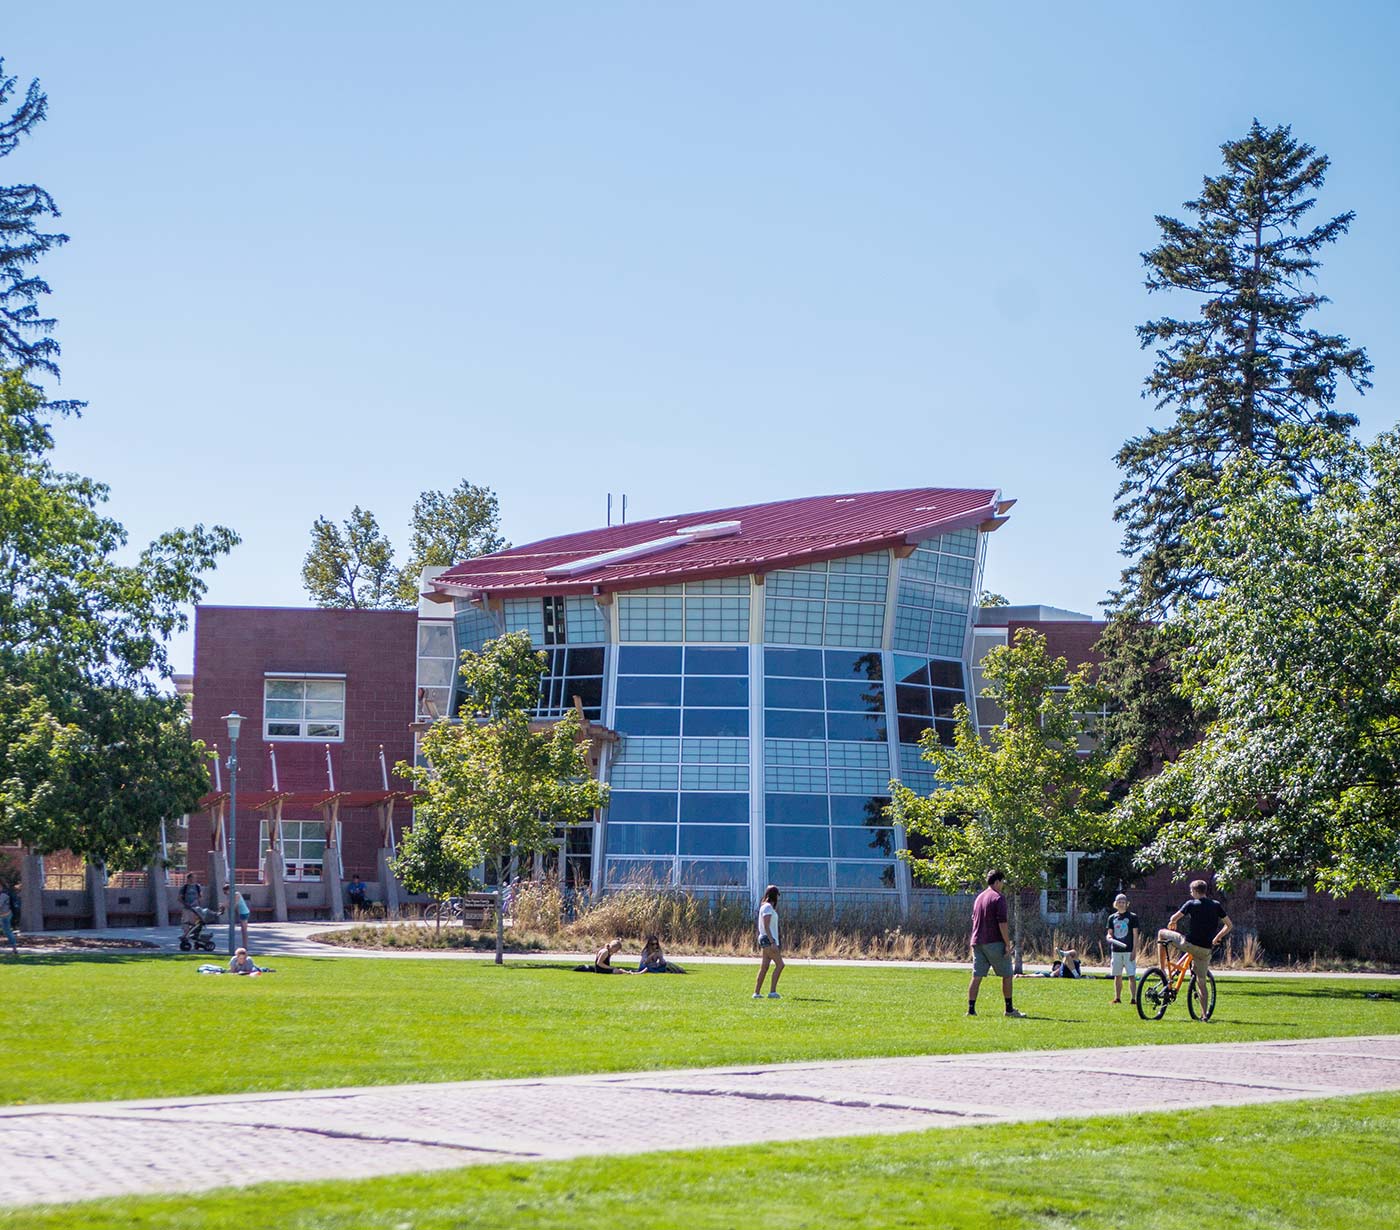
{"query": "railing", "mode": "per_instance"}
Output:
(247, 875)
(65, 881)
(127, 879)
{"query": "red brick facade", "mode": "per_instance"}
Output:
(376, 651)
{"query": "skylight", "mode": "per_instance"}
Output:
(653, 546)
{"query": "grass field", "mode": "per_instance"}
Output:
(134, 1026)
(1295, 1166)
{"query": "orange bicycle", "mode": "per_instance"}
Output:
(1156, 990)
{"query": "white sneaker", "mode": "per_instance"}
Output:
(756, 995)
(774, 995)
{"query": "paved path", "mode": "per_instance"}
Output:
(293, 939)
(56, 1153)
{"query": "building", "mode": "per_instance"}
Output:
(765, 669)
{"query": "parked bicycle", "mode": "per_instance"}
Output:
(1156, 990)
(449, 909)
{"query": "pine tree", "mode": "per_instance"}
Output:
(1245, 368)
(25, 341)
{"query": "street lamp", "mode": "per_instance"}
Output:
(234, 721)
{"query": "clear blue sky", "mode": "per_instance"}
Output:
(328, 253)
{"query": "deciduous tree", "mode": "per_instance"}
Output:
(1025, 793)
(351, 566)
(492, 785)
(449, 527)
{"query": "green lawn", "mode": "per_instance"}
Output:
(86, 1028)
(1306, 1165)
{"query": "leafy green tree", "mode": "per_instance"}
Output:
(1296, 657)
(492, 784)
(25, 335)
(81, 637)
(1236, 376)
(351, 567)
(449, 527)
(989, 598)
(1024, 794)
(437, 856)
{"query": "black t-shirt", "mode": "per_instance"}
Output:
(1201, 919)
(1124, 928)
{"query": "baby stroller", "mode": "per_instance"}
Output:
(199, 937)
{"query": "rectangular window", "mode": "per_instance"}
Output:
(714, 873)
(304, 708)
(1276, 888)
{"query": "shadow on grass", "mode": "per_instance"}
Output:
(1351, 993)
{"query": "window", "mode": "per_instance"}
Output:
(437, 668)
(304, 707)
(841, 602)
(1276, 888)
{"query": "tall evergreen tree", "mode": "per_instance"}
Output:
(1248, 366)
(25, 335)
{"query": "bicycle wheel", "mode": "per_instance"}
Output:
(1153, 995)
(430, 912)
(1193, 1001)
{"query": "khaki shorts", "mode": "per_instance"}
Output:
(990, 956)
(1199, 956)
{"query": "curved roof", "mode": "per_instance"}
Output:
(722, 542)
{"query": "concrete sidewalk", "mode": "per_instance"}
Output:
(82, 1151)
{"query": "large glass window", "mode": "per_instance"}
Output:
(304, 709)
(836, 602)
(694, 611)
(437, 668)
(934, 607)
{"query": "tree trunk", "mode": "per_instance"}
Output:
(437, 919)
(500, 914)
(1016, 966)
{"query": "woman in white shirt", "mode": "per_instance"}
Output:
(770, 950)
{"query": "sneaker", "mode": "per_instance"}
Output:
(774, 995)
(756, 995)
(972, 1012)
(1015, 1012)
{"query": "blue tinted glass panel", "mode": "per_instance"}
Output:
(910, 670)
(717, 661)
(803, 663)
(585, 661)
(945, 702)
(641, 839)
(870, 726)
(641, 807)
(842, 664)
(648, 721)
(721, 723)
(590, 691)
(946, 674)
(714, 839)
(639, 871)
(863, 843)
(795, 808)
(793, 693)
(794, 724)
(716, 873)
(799, 875)
(852, 809)
(868, 877)
(729, 691)
(856, 697)
(784, 842)
(913, 701)
(648, 660)
(714, 808)
(649, 690)
(912, 728)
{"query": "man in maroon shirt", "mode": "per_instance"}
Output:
(991, 943)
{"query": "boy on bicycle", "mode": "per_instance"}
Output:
(1205, 925)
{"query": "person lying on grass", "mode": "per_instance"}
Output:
(602, 961)
(242, 963)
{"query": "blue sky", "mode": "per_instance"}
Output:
(335, 253)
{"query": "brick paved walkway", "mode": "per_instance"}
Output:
(55, 1153)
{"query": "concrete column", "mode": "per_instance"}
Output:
(330, 877)
(96, 876)
(160, 895)
(390, 882)
(218, 876)
(276, 871)
(31, 905)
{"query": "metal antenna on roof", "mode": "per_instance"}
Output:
(624, 508)
(609, 507)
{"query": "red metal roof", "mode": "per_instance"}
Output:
(770, 536)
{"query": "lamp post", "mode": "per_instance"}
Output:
(234, 722)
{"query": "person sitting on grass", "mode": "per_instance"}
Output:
(1067, 966)
(653, 960)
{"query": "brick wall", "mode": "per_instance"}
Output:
(375, 650)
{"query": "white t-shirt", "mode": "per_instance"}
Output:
(769, 911)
